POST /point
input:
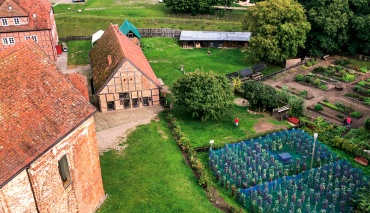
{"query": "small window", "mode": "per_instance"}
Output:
(64, 171)
(146, 101)
(130, 35)
(110, 105)
(8, 40)
(34, 37)
(16, 21)
(4, 21)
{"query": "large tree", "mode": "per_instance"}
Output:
(260, 95)
(359, 41)
(278, 27)
(190, 6)
(204, 94)
(329, 25)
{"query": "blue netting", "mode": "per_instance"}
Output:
(250, 165)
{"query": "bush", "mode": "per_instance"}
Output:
(318, 107)
(320, 69)
(363, 69)
(356, 114)
(367, 123)
(299, 77)
(342, 63)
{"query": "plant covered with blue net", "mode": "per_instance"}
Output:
(273, 174)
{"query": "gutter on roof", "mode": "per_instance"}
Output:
(46, 150)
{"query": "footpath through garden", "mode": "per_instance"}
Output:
(332, 95)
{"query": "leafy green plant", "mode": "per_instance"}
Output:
(340, 116)
(348, 77)
(356, 114)
(323, 87)
(363, 69)
(367, 123)
(318, 107)
(362, 83)
(299, 77)
(303, 93)
(317, 82)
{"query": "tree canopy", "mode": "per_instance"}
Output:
(260, 95)
(195, 6)
(278, 27)
(329, 25)
(204, 94)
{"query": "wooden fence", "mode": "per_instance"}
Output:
(144, 32)
(159, 32)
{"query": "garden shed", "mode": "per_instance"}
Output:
(129, 30)
(205, 39)
(121, 75)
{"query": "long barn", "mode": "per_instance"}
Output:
(205, 39)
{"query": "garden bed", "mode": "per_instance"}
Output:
(358, 97)
(342, 109)
(312, 80)
(301, 93)
(338, 73)
(326, 112)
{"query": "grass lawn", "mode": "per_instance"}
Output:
(166, 55)
(78, 52)
(223, 130)
(361, 63)
(150, 175)
(97, 14)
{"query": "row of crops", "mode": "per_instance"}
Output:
(265, 183)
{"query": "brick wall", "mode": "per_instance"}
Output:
(83, 194)
(44, 37)
(128, 79)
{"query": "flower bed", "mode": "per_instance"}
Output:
(267, 184)
(337, 72)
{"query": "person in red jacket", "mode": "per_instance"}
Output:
(236, 122)
(349, 121)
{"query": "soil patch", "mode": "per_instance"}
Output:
(241, 102)
(262, 126)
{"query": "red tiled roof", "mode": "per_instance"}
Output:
(119, 46)
(80, 82)
(38, 107)
(41, 8)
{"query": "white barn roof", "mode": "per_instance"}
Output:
(96, 36)
(214, 36)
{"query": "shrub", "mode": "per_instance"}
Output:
(363, 69)
(356, 114)
(320, 69)
(318, 107)
(339, 105)
(299, 77)
(367, 123)
(342, 63)
(362, 83)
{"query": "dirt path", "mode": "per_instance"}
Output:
(112, 127)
